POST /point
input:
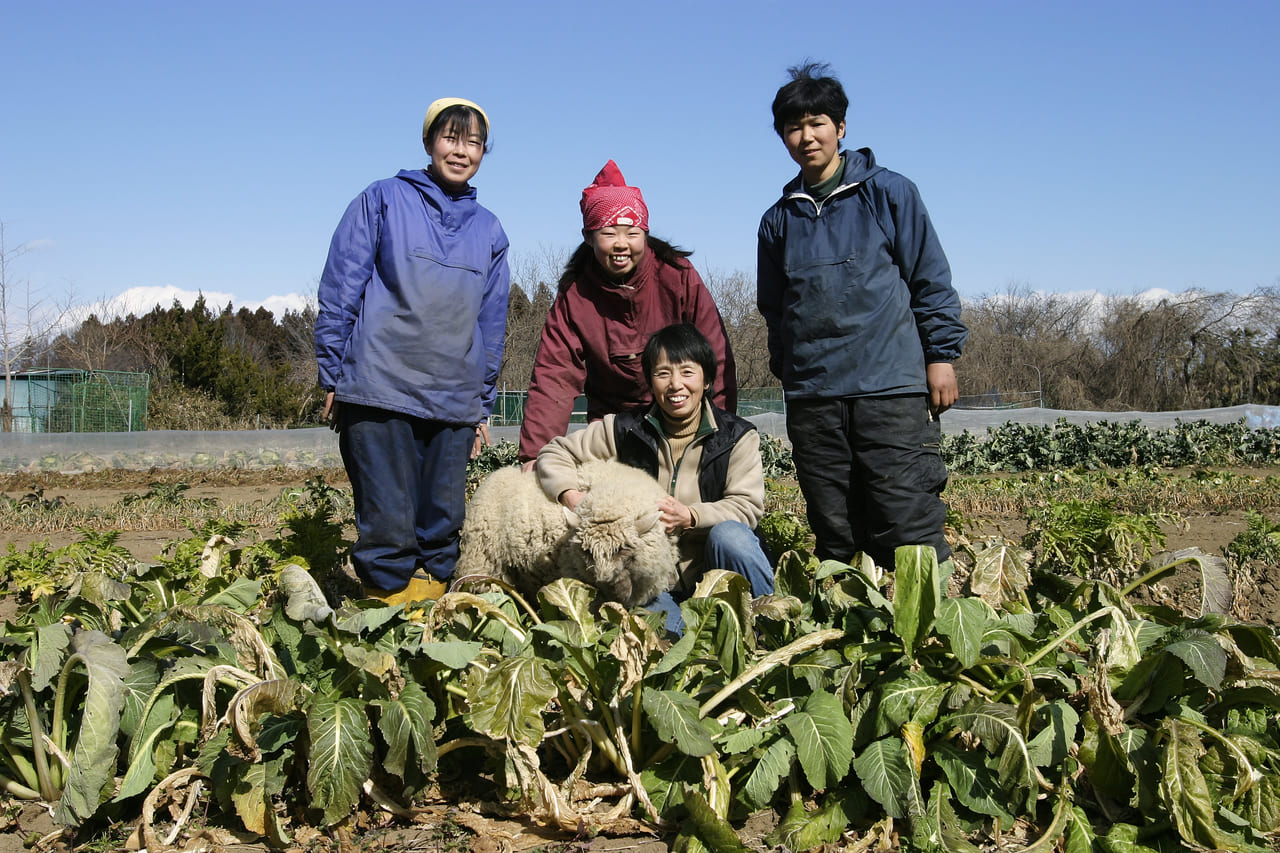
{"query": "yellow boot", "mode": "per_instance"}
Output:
(421, 587)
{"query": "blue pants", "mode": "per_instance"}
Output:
(872, 475)
(409, 481)
(732, 546)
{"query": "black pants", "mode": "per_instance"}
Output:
(871, 474)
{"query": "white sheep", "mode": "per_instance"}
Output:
(613, 541)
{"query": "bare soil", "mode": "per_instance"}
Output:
(1257, 600)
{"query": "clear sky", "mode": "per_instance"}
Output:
(212, 146)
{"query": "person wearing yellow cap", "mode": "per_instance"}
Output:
(409, 338)
(620, 286)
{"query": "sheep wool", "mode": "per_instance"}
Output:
(613, 542)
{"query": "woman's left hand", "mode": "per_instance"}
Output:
(482, 440)
(674, 515)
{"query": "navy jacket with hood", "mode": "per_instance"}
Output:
(856, 291)
(413, 302)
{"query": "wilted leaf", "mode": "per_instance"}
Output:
(1215, 583)
(999, 572)
(303, 599)
(507, 701)
(93, 761)
(1183, 788)
(713, 830)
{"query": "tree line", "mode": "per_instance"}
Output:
(229, 368)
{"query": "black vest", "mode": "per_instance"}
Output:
(638, 440)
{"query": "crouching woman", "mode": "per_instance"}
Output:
(706, 459)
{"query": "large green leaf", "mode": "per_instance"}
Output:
(455, 654)
(507, 702)
(940, 828)
(963, 621)
(801, 829)
(996, 725)
(823, 738)
(973, 779)
(1080, 836)
(48, 653)
(341, 756)
(93, 762)
(761, 783)
(917, 591)
(1053, 743)
(713, 831)
(675, 717)
(405, 724)
(885, 775)
(1202, 655)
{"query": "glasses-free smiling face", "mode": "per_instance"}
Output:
(814, 143)
(455, 155)
(678, 387)
(618, 248)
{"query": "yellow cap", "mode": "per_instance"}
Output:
(440, 105)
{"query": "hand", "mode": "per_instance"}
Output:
(571, 498)
(529, 466)
(329, 414)
(674, 515)
(482, 439)
(943, 390)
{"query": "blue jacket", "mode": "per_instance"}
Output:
(856, 292)
(413, 302)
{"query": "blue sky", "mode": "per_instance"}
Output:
(1110, 146)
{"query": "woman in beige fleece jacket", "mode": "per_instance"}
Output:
(707, 459)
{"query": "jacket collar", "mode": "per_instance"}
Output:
(859, 165)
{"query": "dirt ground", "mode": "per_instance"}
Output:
(1210, 533)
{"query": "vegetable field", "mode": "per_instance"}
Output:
(187, 665)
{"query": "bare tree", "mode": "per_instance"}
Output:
(26, 322)
(735, 296)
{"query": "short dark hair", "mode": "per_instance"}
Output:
(813, 91)
(681, 342)
(460, 119)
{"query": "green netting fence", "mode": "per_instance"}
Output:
(65, 400)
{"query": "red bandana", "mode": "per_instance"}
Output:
(609, 201)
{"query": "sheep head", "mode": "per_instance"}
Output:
(624, 543)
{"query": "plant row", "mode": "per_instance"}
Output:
(854, 702)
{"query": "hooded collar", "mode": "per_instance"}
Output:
(428, 185)
(859, 165)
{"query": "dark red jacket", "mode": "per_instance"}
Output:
(593, 339)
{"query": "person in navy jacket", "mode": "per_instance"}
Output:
(863, 327)
(409, 339)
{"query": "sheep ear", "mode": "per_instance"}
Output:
(646, 520)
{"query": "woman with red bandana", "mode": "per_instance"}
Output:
(619, 287)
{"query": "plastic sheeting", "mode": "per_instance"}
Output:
(73, 453)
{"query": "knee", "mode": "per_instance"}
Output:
(731, 536)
